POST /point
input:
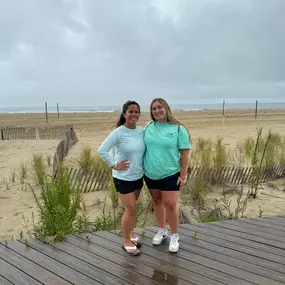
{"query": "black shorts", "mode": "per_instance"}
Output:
(168, 183)
(126, 187)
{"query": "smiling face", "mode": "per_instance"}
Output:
(132, 114)
(158, 111)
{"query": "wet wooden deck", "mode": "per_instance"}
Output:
(232, 252)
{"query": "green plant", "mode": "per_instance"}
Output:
(13, 175)
(23, 173)
(248, 147)
(257, 161)
(58, 205)
(220, 155)
(195, 191)
(38, 169)
(48, 159)
(260, 212)
(114, 197)
(241, 205)
(85, 160)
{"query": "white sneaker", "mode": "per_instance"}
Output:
(161, 235)
(174, 243)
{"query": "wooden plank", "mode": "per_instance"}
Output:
(206, 267)
(142, 273)
(273, 261)
(28, 267)
(4, 281)
(266, 222)
(123, 268)
(247, 179)
(263, 226)
(63, 273)
(233, 180)
(14, 275)
(245, 236)
(92, 180)
(239, 240)
(252, 267)
(98, 269)
(252, 230)
(114, 244)
(278, 220)
(87, 182)
(271, 220)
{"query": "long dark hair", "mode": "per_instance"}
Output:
(122, 118)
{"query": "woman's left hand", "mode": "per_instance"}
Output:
(181, 181)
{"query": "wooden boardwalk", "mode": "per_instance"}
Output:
(231, 252)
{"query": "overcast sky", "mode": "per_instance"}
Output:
(103, 52)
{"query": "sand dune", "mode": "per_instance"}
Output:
(91, 129)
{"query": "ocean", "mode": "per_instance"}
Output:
(185, 107)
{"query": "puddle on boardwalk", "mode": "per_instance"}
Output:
(163, 277)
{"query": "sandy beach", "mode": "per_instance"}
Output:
(91, 129)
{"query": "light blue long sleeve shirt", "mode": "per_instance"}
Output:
(124, 143)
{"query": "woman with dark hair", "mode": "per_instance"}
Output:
(167, 144)
(127, 144)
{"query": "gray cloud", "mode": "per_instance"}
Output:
(91, 52)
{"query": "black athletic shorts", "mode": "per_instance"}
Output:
(126, 187)
(168, 183)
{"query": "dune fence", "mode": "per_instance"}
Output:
(100, 179)
(17, 133)
(34, 133)
(236, 175)
(63, 148)
(55, 132)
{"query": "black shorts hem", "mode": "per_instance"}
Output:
(168, 183)
(126, 187)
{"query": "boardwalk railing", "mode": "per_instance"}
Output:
(100, 179)
(34, 133)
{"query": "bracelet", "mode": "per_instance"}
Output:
(183, 177)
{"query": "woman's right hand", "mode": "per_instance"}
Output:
(122, 165)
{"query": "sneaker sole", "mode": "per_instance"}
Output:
(159, 243)
(171, 251)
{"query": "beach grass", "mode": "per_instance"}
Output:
(62, 209)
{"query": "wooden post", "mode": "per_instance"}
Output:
(2, 135)
(46, 112)
(256, 108)
(224, 103)
(57, 110)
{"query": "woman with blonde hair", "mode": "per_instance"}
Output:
(167, 144)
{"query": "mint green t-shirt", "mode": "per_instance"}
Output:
(163, 142)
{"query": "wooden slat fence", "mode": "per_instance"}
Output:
(54, 132)
(101, 179)
(97, 179)
(34, 133)
(17, 133)
(233, 175)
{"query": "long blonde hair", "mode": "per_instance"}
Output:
(169, 115)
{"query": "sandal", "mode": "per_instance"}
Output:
(136, 241)
(132, 253)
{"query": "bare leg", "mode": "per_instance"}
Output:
(159, 209)
(137, 194)
(170, 202)
(129, 217)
